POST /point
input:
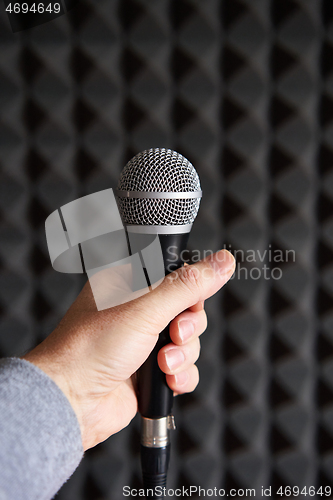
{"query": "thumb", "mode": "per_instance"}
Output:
(182, 289)
(132, 329)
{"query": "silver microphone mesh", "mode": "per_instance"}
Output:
(162, 171)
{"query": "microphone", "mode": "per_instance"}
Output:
(158, 195)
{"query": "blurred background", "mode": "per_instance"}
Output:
(243, 89)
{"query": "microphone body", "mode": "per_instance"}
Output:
(155, 396)
(158, 196)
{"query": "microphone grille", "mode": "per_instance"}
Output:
(159, 170)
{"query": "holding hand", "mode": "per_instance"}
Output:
(92, 355)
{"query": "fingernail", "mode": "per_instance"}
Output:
(174, 358)
(222, 262)
(186, 329)
(181, 378)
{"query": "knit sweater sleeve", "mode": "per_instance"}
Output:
(40, 438)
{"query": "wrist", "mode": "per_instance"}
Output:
(58, 373)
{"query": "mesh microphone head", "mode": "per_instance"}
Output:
(158, 171)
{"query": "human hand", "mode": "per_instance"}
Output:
(92, 354)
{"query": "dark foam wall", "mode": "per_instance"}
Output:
(244, 89)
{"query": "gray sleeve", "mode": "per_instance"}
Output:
(40, 438)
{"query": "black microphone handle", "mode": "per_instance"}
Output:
(155, 397)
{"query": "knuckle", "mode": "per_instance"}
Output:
(195, 377)
(204, 321)
(192, 352)
(197, 351)
(190, 277)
